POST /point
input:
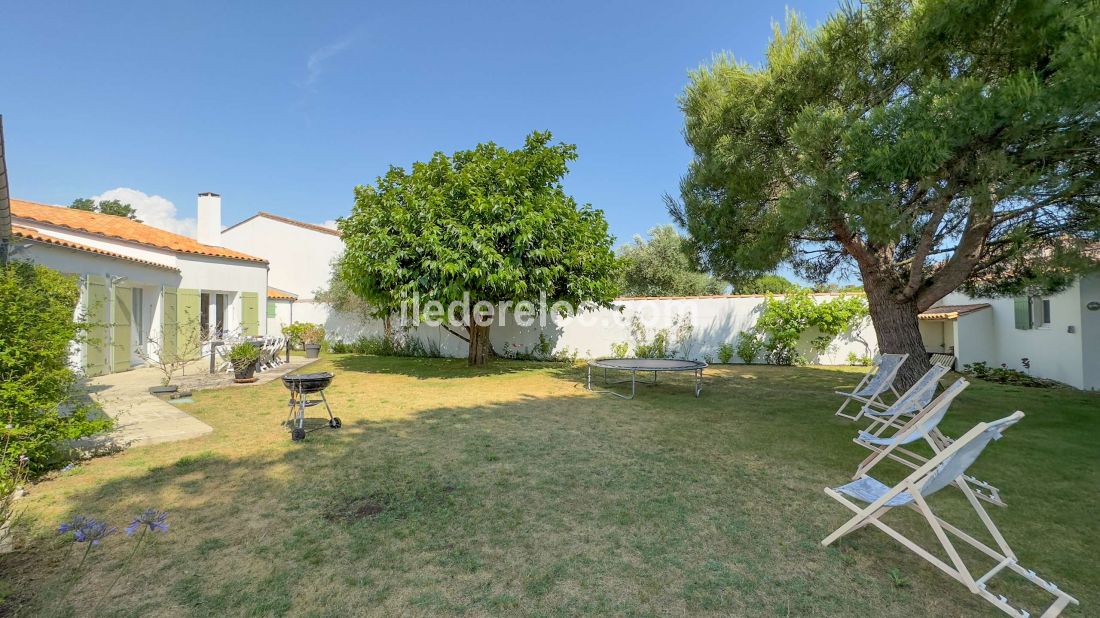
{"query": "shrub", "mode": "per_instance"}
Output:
(1004, 375)
(36, 329)
(725, 352)
(859, 361)
(621, 349)
(783, 322)
(242, 355)
(749, 344)
(301, 333)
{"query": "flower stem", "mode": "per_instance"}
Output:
(121, 569)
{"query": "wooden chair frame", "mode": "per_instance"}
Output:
(955, 566)
(875, 398)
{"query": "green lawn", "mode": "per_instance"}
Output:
(512, 490)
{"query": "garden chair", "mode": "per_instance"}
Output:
(924, 425)
(878, 380)
(909, 403)
(946, 468)
(223, 360)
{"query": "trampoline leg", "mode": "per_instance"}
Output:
(633, 382)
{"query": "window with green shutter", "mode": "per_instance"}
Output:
(270, 308)
(1022, 308)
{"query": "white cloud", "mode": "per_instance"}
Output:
(330, 224)
(319, 56)
(153, 210)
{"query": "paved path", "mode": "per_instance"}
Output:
(142, 418)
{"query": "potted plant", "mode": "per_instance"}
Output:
(243, 357)
(312, 336)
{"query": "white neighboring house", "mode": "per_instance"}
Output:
(301, 256)
(1059, 335)
(139, 283)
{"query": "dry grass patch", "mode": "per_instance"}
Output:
(511, 490)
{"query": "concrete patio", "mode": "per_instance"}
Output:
(142, 418)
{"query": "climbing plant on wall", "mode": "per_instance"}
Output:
(784, 320)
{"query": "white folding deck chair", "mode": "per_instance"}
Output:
(946, 468)
(924, 425)
(909, 403)
(878, 380)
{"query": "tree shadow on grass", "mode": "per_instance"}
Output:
(553, 505)
(440, 368)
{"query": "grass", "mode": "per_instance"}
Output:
(511, 490)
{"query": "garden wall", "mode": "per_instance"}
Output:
(714, 320)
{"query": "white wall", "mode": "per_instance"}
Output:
(1090, 331)
(222, 275)
(714, 320)
(300, 258)
(284, 315)
(991, 336)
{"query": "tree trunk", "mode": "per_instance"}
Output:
(481, 350)
(898, 332)
(387, 328)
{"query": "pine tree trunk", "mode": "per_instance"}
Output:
(898, 332)
(481, 350)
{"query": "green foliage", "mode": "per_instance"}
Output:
(749, 346)
(106, 207)
(301, 333)
(725, 352)
(341, 297)
(379, 345)
(543, 350)
(621, 349)
(783, 321)
(242, 355)
(859, 361)
(665, 343)
(661, 267)
(929, 144)
(1004, 375)
(491, 222)
(36, 329)
(768, 284)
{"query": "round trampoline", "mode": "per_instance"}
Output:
(644, 365)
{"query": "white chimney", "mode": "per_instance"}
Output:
(209, 229)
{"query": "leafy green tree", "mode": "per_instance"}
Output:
(928, 145)
(36, 381)
(340, 297)
(490, 222)
(768, 284)
(107, 207)
(661, 267)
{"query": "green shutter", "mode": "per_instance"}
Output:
(169, 325)
(95, 314)
(250, 314)
(271, 309)
(1022, 306)
(120, 328)
(189, 315)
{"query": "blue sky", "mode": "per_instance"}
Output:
(285, 107)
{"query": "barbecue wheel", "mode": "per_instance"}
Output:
(297, 434)
(335, 422)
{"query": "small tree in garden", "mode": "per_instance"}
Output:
(340, 297)
(660, 267)
(36, 381)
(928, 146)
(768, 284)
(492, 223)
(171, 359)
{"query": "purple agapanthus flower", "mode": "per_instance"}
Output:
(86, 529)
(152, 519)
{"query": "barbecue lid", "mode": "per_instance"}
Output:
(304, 377)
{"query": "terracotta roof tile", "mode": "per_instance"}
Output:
(289, 221)
(277, 294)
(120, 228)
(950, 312)
(29, 234)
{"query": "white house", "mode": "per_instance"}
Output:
(300, 255)
(141, 284)
(1058, 335)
